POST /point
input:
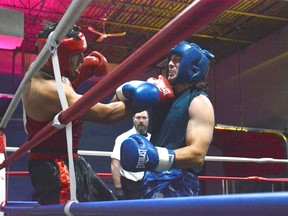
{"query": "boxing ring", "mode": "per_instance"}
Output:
(236, 204)
(150, 52)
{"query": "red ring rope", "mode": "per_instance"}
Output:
(250, 178)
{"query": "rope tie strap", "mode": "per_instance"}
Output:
(64, 105)
(56, 123)
(52, 44)
(67, 207)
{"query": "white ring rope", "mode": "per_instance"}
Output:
(207, 158)
(9, 96)
(243, 159)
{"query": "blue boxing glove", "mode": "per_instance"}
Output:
(139, 154)
(143, 95)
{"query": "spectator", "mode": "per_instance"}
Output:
(128, 184)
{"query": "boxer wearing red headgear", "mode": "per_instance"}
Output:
(70, 47)
(74, 43)
(48, 160)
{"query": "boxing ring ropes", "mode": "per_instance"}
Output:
(203, 178)
(196, 15)
(103, 208)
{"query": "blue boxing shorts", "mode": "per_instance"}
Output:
(171, 183)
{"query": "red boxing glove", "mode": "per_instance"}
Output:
(94, 64)
(167, 94)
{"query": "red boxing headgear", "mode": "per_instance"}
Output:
(69, 46)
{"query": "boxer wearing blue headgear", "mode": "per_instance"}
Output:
(194, 63)
(181, 130)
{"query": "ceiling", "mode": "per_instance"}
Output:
(245, 23)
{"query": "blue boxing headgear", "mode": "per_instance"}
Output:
(195, 62)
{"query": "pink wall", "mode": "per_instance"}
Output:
(10, 66)
(259, 96)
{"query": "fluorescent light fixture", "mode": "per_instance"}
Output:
(9, 42)
(11, 29)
